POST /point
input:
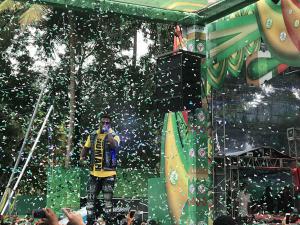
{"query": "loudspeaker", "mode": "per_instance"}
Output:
(178, 81)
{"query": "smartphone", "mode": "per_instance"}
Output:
(287, 218)
(38, 213)
(131, 214)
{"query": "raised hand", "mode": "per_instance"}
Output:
(74, 218)
(51, 218)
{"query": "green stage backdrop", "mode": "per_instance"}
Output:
(66, 187)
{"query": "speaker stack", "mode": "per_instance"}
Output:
(178, 81)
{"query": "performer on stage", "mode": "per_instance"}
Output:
(101, 147)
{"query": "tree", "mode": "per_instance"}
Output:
(18, 94)
(26, 16)
(104, 76)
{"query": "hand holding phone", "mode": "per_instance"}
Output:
(39, 213)
(46, 215)
(287, 218)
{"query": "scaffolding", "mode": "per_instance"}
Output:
(293, 136)
(227, 174)
(229, 169)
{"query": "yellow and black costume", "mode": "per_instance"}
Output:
(103, 162)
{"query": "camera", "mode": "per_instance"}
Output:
(131, 213)
(38, 213)
(287, 218)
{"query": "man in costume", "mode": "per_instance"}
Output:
(101, 148)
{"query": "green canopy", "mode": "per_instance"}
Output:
(185, 12)
(179, 5)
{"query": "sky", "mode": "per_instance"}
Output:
(60, 49)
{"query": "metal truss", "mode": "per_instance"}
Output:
(263, 162)
(293, 136)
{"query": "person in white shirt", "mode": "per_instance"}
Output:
(243, 204)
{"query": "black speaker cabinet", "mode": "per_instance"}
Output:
(178, 81)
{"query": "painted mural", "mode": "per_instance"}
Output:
(231, 41)
(231, 45)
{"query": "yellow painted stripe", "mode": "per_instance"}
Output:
(196, 35)
(177, 194)
(185, 4)
(241, 32)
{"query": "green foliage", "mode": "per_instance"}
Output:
(18, 89)
(106, 81)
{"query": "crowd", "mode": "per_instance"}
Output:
(76, 219)
(50, 218)
(278, 202)
(271, 207)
